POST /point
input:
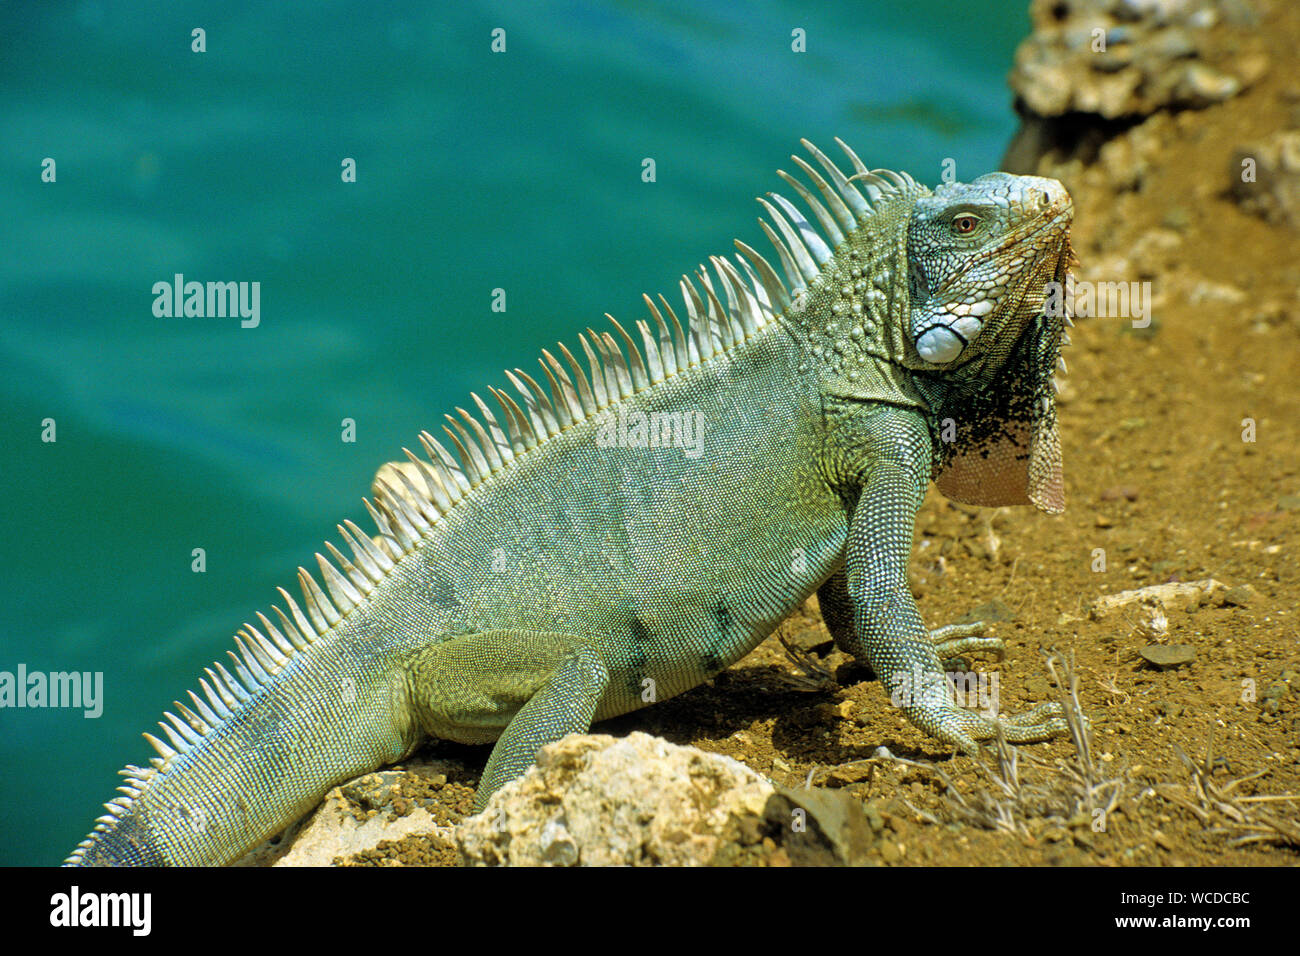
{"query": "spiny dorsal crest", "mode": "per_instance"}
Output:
(722, 310)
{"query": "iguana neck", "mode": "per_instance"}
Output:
(852, 321)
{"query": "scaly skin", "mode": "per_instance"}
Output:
(554, 572)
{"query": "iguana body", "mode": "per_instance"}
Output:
(562, 567)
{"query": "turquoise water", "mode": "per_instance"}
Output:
(475, 171)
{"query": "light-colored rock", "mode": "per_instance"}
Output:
(1095, 71)
(354, 817)
(1177, 594)
(1120, 58)
(1152, 623)
(1204, 291)
(597, 800)
(332, 833)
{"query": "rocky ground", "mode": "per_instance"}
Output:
(1182, 471)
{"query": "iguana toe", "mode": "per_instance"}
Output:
(955, 640)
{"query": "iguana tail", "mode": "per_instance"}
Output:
(261, 746)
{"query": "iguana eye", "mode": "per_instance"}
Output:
(964, 224)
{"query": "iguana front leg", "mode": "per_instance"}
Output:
(887, 630)
(950, 642)
(523, 689)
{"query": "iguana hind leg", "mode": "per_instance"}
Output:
(523, 689)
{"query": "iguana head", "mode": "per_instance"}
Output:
(982, 258)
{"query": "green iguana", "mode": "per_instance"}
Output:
(622, 532)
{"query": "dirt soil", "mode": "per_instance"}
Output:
(1160, 479)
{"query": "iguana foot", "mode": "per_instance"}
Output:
(967, 729)
(954, 640)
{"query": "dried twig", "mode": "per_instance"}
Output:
(1066, 793)
(813, 675)
(1217, 803)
